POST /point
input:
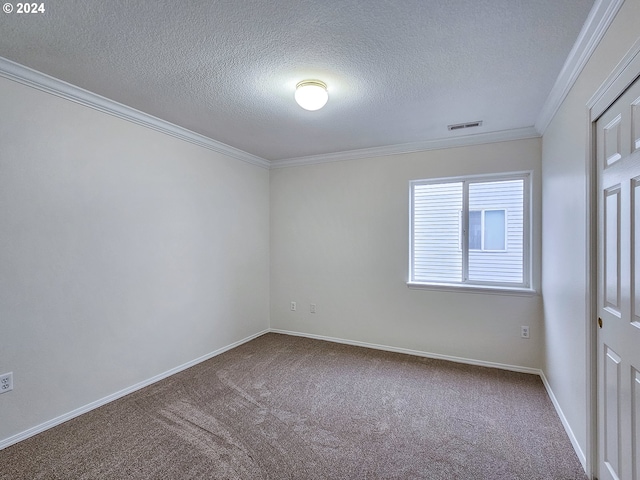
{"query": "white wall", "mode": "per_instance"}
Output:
(124, 253)
(564, 264)
(339, 239)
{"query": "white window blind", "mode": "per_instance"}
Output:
(470, 231)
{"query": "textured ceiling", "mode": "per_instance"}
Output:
(398, 71)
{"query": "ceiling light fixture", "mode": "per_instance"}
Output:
(311, 94)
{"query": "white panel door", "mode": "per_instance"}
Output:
(618, 155)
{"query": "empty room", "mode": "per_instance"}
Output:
(320, 240)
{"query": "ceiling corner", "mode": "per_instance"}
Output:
(597, 23)
(40, 81)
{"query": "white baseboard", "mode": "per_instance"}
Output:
(565, 423)
(513, 368)
(417, 353)
(114, 396)
(98, 403)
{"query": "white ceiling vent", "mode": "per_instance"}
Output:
(460, 126)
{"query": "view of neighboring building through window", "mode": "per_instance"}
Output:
(487, 229)
(470, 231)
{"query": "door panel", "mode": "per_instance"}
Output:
(635, 125)
(618, 156)
(635, 401)
(612, 249)
(612, 412)
(635, 259)
(613, 141)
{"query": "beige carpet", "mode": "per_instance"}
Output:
(284, 407)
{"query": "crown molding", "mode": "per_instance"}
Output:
(32, 78)
(594, 28)
(620, 78)
(597, 23)
(439, 144)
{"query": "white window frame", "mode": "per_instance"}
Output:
(524, 288)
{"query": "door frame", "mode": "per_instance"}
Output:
(622, 76)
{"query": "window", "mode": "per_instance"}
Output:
(487, 230)
(471, 231)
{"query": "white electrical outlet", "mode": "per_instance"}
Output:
(524, 332)
(312, 308)
(6, 382)
(293, 306)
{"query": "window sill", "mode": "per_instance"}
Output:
(484, 289)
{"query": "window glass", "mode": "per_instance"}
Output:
(436, 212)
(494, 230)
(488, 249)
(475, 230)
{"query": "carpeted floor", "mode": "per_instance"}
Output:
(283, 407)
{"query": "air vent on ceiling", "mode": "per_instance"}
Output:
(460, 126)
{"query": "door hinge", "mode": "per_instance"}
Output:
(600, 322)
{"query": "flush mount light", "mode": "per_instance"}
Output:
(311, 94)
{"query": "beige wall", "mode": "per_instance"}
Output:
(124, 253)
(564, 280)
(339, 239)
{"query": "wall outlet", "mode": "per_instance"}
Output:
(312, 308)
(293, 306)
(6, 382)
(524, 332)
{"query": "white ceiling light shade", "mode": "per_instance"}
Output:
(311, 94)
